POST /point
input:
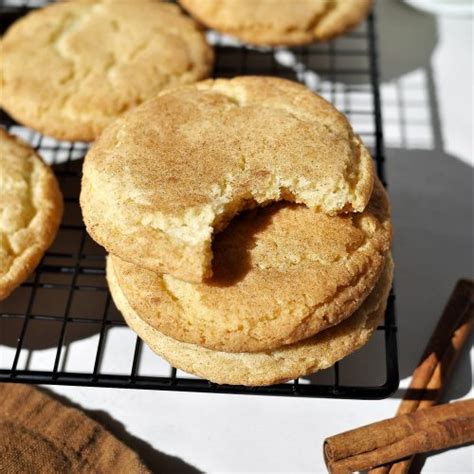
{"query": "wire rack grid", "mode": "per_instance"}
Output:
(61, 326)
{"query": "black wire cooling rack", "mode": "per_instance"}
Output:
(61, 327)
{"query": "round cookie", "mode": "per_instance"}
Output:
(264, 368)
(71, 68)
(31, 207)
(165, 177)
(281, 274)
(281, 22)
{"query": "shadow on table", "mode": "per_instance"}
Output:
(407, 38)
(155, 460)
(431, 193)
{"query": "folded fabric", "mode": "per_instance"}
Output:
(41, 435)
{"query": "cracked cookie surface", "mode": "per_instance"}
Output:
(71, 68)
(264, 368)
(180, 166)
(30, 211)
(281, 274)
(279, 22)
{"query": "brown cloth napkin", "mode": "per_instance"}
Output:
(40, 435)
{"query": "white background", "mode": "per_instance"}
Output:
(427, 91)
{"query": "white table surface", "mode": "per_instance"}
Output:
(427, 91)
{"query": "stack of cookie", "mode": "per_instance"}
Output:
(248, 236)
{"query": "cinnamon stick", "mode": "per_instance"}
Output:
(458, 313)
(431, 429)
(439, 358)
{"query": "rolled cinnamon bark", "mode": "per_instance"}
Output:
(457, 316)
(439, 358)
(435, 428)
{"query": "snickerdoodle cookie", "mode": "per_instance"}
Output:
(31, 207)
(71, 68)
(164, 178)
(281, 274)
(280, 22)
(264, 368)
